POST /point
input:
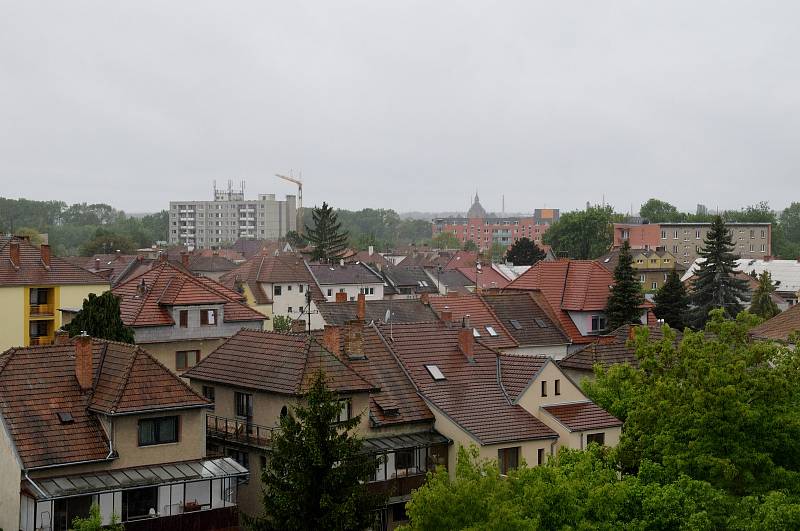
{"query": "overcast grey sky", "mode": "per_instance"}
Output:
(404, 105)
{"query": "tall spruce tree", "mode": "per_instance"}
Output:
(100, 317)
(715, 285)
(524, 252)
(672, 302)
(327, 236)
(624, 303)
(762, 304)
(317, 474)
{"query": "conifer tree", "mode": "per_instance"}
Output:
(715, 285)
(327, 236)
(100, 317)
(624, 303)
(317, 474)
(762, 304)
(672, 302)
(524, 252)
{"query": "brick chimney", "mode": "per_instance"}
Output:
(83, 361)
(45, 250)
(354, 339)
(466, 341)
(331, 339)
(298, 326)
(424, 298)
(361, 307)
(97, 264)
(185, 259)
(341, 296)
(13, 253)
(61, 337)
(447, 316)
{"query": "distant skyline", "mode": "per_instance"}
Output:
(407, 105)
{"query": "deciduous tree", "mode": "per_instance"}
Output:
(524, 252)
(657, 211)
(584, 234)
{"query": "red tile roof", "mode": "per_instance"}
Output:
(275, 362)
(470, 395)
(488, 277)
(32, 271)
(168, 284)
(583, 416)
(270, 268)
(779, 327)
(480, 316)
(36, 383)
(528, 310)
(518, 370)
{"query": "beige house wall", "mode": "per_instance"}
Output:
(165, 352)
(10, 477)
(12, 317)
(265, 309)
(72, 296)
(532, 399)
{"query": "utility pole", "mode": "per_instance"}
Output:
(299, 182)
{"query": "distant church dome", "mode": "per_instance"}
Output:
(476, 210)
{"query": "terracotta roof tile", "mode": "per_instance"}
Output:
(480, 316)
(583, 416)
(779, 327)
(525, 318)
(32, 271)
(271, 269)
(489, 278)
(517, 371)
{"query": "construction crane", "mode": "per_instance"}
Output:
(296, 180)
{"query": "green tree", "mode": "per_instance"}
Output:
(95, 522)
(32, 234)
(446, 240)
(657, 211)
(317, 474)
(296, 240)
(524, 252)
(625, 301)
(100, 317)
(672, 302)
(497, 251)
(762, 304)
(327, 236)
(281, 323)
(106, 241)
(583, 235)
(715, 285)
(470, 245)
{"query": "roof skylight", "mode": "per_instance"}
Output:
(435, 372)
(516, 324)
(491, 331)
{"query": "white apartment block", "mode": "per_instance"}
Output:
(211, 224)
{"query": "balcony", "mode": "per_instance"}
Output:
(398, 486)
(239, 431)
(41, 340)
(40, 310)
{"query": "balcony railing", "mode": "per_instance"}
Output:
(40, 310)
(239, 430)
(41, 340)
(398, 486)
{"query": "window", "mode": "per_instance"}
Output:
(674, 248)
(507, 459)
(540, 456)
(763, 248)
(599, 438)
(663, 235)
(300, 288)
(330, 292)
(243, 402)
(289, 309)
(160, 430)
(752, 233)
(289, 287)
(404, 459)
(654, 285)
(642, 278)
(697, 234)
(492, 331)
(183, 318)
(344, 411)
(208, 392)
(516, 324)
(243, 458)
(186, 358)
(136, 503)
(676, 235)
(435, 372)
(276, 290)
(208, 317)
(763, 233)
(598, 323)
(544, 387)
(557, 387)
(475, 333)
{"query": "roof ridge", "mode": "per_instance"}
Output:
(6, 356)
(153, 359)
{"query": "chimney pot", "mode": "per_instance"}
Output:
(185, 260)
(425, 299)
(341, 296)
(466, 343)
(361, 307)
(62, 337)
(83, 361)
(45, 250)
(354, 339)
(97, 264)
(298, 326)
(331, 339)
(447, 316)
(13, 253)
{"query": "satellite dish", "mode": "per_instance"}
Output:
(387, 316)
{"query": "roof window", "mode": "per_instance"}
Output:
(435, 372)
(516, 324)
(491, 331)
(65, 417)
(475, 332)
(541, 322)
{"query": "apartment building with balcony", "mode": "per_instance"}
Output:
(230, 217)
(37, 289)
(87, 421)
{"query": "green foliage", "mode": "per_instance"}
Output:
(714, 284)
(317, 474)
(626, 297)
(100, 317)
(445, 240)
(583, 234)
(657, 211)
(672, 302)
(95, 522)
(327, 236)
(470, 245)
(379, 227)
(281, 323)
(32, 234)
(497, 251)
(762, 304)
(106, 242)
(524, 252)
(296, 240)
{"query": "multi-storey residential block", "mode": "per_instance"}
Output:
(38, 291)
(229, 217)
(684, 240)
(651, 266)
(484, 229)
(103, 423)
